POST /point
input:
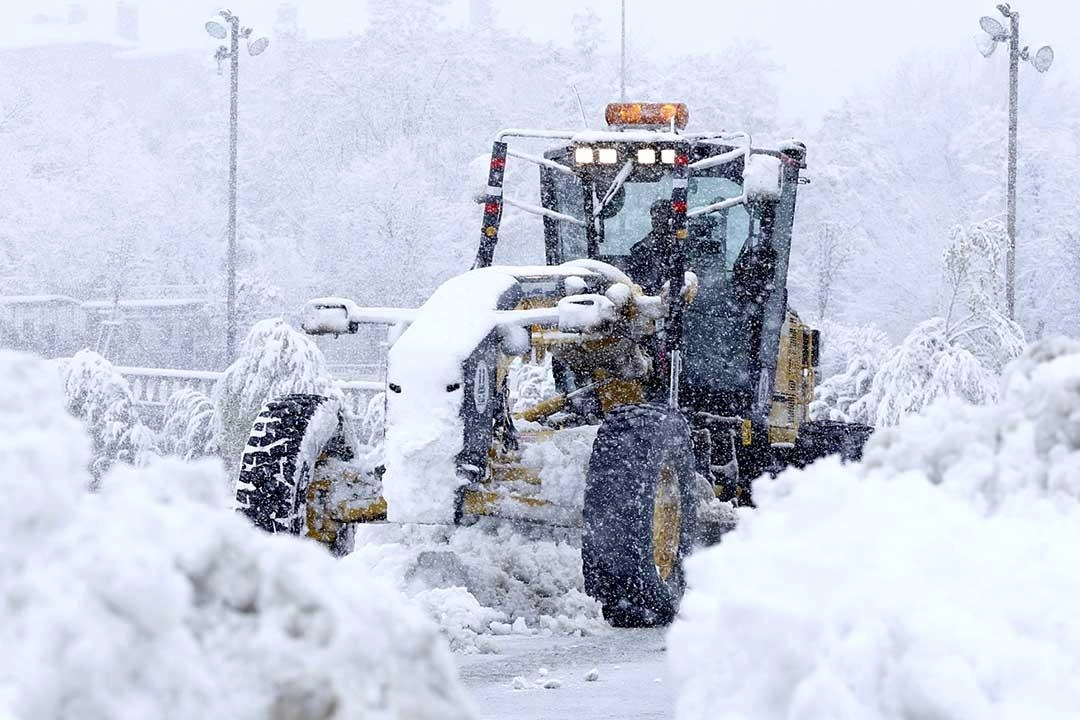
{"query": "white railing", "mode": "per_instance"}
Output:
(152, 387)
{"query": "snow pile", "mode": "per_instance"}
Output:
(151, 599)
(424, 430)
(102, 398)
(274, 360)
(482, 580)
(937, 579)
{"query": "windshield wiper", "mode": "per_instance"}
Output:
(617, 183)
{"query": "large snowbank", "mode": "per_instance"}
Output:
(151, 599)
(936, 580)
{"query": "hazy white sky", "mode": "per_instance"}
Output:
(826, 47)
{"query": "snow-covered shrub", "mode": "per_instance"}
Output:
(937, 579)
(102, 399)
(959, 354)
(928, 365)
(188, 431)
(274, 360)
(834, 397)
(842, 344)
(850, 357)
(151, 599)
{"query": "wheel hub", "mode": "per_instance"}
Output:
(667, 521)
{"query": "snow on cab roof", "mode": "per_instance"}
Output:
(636, 135)
(588, 137)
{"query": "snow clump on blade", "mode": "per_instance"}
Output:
(150, 599)
(482, 580)
(936, 579)
(424, 428)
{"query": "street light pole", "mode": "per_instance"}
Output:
(622, 54)
(230, 261)
(225, 24)
(1041, 59)
(1014, 82)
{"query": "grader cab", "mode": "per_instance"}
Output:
(680, 374)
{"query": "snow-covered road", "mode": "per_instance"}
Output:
(631, 682)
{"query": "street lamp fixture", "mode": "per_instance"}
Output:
(226, 25)
(216, 28)
(1043, 58)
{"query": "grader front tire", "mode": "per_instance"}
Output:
(640, 516)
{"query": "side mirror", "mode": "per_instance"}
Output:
(327, 319)
(761, 178)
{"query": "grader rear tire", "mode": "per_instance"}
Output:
(640, 515)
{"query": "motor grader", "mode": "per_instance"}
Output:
(680, 373)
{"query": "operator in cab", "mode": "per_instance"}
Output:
(646, 264)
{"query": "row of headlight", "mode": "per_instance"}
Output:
(587, 155)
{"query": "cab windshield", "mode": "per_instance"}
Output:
(716, 238)
(719, 235)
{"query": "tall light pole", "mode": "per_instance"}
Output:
(226, 25)
(622, 54)
(1042, 59)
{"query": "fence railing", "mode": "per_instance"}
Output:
(152, 387)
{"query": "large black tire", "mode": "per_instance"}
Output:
(640, 515)
(279, 459)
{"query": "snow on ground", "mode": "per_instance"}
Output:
(483, 580)
(151, 599)
(621, 675)
(937, 579)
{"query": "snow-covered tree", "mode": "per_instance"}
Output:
(102, 399)
(975, 313)
(959, 354)
(834, 250)
(189, 429)
(273, 360)
(928, 365)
